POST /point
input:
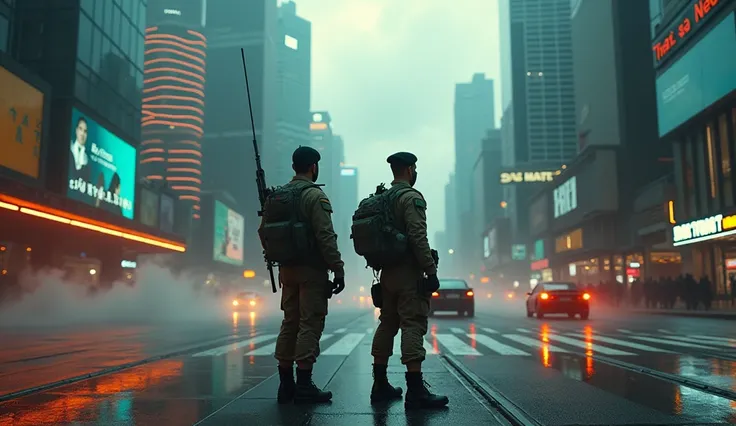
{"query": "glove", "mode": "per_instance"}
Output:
(436, 257)
(338, 285)
(431, 283)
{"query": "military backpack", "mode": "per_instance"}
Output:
(287, 237)
(375, 234)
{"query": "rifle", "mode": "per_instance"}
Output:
(263, 190)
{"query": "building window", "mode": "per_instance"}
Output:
(711, 161)
(4, 33)
(725, 160)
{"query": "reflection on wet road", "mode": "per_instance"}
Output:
(645, 366)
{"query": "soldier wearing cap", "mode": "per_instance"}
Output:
(304, 286)
(405, 302)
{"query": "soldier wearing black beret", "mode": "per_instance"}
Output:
(304, 261)
(404, 304)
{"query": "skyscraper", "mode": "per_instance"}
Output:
(323, 140)
(344, 206)
(542, 81)
(227, 146)
(174, 97)
(294, 49)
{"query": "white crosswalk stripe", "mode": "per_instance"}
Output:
(670, 342)
(700, 341)
(620, 342)
(458, 330)
(340, 330)
(585, 345)
(523, 330)
(345, 345)
(271, 347)
(456, 346)
(534, 343)
(661, 330)
(496, 346)
(625, 331)
(720, 339)
(222, 350)
(490, 331)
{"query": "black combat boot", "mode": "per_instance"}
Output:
(382, 390)
(418, 394)
(287, 386)
(306, 391)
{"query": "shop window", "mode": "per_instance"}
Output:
(568, 242)
(725, 160)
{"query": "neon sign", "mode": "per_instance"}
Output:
(703, 229)
(683, 29)
(526, 177)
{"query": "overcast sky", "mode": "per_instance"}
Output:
(386, 71)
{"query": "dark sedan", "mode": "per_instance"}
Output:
(247, 301)
(558, 298)
(453, 295)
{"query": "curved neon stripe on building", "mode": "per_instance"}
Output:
(173, 110)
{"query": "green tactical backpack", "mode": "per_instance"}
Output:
(287, 237)
(374, 232)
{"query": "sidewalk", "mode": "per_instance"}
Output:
(721, 309)
(350, 379)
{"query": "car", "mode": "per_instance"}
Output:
(453, 295)
(247, 301)
(558, 298)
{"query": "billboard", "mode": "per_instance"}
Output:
(166, 213)
(506, 178)
(566, 197)
(699, 78)
(101, 167)
(228, 235)
(21, 122)
(149, 208)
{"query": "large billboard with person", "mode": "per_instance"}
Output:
(228, 238)
(101, 167)
(21, 122)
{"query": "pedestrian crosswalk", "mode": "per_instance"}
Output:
(522, 342)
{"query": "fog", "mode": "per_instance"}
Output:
(157, 296)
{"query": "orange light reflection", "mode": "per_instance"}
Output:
(252, 319)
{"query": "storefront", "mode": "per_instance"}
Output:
(696, 103)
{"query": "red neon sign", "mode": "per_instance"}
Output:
(540, 264)
(684, 28)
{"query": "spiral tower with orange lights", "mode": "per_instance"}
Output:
(173, 110)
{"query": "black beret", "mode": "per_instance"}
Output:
(305, 155)
(402, 159)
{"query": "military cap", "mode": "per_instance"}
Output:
(406, 159)
(305, 155)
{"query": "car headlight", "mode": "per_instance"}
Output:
(235, 303)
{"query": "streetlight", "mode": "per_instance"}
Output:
(451, 251)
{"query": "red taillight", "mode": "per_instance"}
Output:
(470, 293)
(544, 296)
(435, 294)
(586, 296)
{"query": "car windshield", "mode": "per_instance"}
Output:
(559, 286)
(246, 295)
(453, 284)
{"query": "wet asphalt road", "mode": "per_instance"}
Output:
(614, 368)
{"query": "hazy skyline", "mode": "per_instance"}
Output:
(386, 71)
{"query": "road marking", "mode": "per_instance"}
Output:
(523, 330)
(712, 342)
(528, 341)
(623, 330)
(458, 330)
(585, 345)
(670, 342)
(495, 345)
(270, 349)
(222, 350)
(490, 331)
(345, 345)
(456, 346)
(623, 343)
(720, 339)
(661, 330)
(340, 330)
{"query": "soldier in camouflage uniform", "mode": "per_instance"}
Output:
(405, 301)
(305, 287)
